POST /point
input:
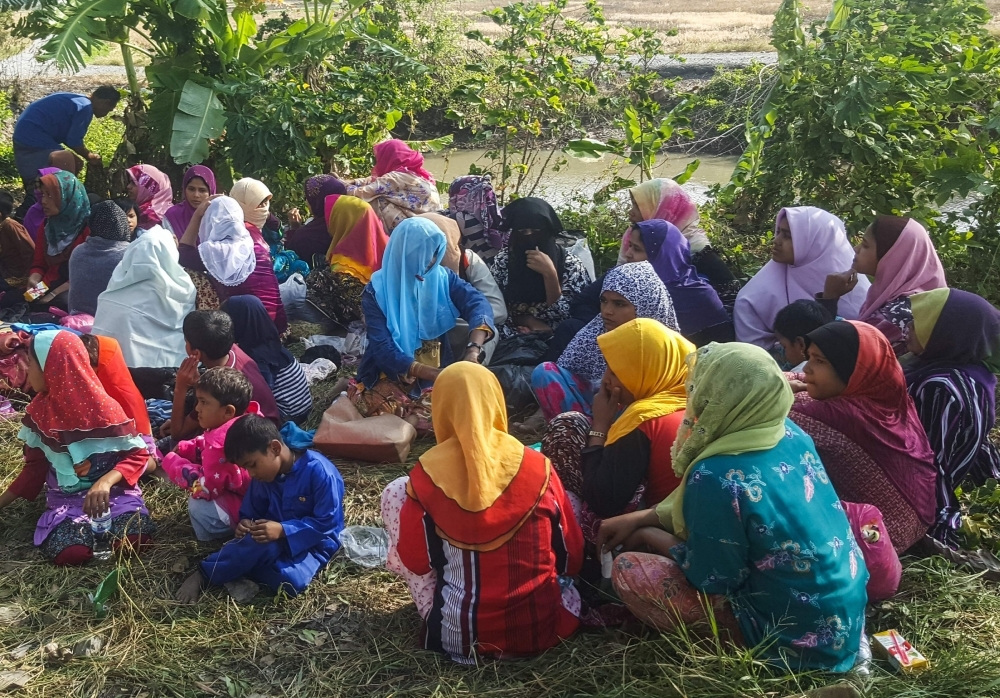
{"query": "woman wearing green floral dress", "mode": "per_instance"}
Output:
(755, 525)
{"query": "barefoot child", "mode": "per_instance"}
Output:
(200, 466)
(291, 517)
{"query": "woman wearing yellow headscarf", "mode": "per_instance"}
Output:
(618, 464)
(482, 529)
(759, 528)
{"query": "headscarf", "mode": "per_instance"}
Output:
(651, 362)
(117, 381)
(877, 414)
(317, 189)
(737, 402)
(697, 304)
(180, 214)
(453, 253)
(257, 336)
(641, 287)
(473, 195)
(224, 243)
(249, 193)
(35, 216)
(956, 329)
(146, 301)
(664, 199)
(908, 265)
(74, 418)
(412, 288)
(819, 240)
(842, 342)
(358, 240)
(74, 209)
(523, 284)
(477, 484)
(109, 222)
(154, 195)
(395, 156)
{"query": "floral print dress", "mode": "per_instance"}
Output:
(778, 545)
(574, 278)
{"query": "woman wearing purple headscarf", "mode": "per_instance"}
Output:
(198, 184)
(313, 238)
(700, 313)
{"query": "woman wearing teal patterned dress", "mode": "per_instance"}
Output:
(756, 530)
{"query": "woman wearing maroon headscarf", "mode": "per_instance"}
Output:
(399, 187)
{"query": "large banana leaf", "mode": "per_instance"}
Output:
(199, 119)
(71, 29)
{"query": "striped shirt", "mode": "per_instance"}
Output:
(291, 392)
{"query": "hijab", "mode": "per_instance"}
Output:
(35, 216)
(109, 222)
(473, 196)
(737, 402)
(641, 287)
(74, 210)
(224, 243)
(117, 381)
(876, 413)
(956, 329)
(358, 240)
(651, 362)
(317, 189)
(820, 243)
(907, 263)
(179, 215)
(249, 193)
(257, 336)
(396, 156)
(523, 284)
(412, 288)
(664, 199)
(154, 195)
(453, 253)
(478, 484)
(74, 418)
(696, 302)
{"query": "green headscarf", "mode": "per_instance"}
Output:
(737, 401)
(74, 210)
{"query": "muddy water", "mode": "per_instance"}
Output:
(578, 179)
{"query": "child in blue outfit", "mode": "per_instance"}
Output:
(290, 520)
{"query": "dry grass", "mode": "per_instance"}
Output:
(353, 632)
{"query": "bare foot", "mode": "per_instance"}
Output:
(533, 425)
(190, 590)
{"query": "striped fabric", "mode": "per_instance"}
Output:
(291, 392)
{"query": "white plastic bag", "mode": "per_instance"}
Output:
(365, 545)
(293, 296)
(581, 251)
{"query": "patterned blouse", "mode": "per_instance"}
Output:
(397, 196)
(778, 544)
(573, 280)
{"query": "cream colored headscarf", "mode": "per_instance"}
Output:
(453, 253)
(249, 193)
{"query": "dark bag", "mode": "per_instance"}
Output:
(521, 350)
(516, 384)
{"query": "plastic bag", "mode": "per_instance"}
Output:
(520, 350)
(575, 243)
(81, 322)
(365, 545)
(318, 369)
(515, 381)
(293, 297)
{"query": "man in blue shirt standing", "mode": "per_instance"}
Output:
(61, 118)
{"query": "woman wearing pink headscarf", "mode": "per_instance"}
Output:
(150, 189)
(399, 187)
(899, 254)
(809, 245)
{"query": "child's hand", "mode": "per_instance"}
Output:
(187, 375)
(243, 527)
(267, 531)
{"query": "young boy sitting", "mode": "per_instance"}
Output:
(793, 323)
(291, 517)
(208, 338)
(216, 484)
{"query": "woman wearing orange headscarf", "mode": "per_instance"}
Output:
(482, 530)
(357, 243)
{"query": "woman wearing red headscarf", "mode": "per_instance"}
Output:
(399, 187)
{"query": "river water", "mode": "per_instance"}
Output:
(577, 179)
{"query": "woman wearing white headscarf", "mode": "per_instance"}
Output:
(146, 302)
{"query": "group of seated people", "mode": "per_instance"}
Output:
(753, 457)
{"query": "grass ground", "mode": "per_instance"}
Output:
(353, 632)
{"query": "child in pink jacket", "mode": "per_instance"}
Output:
(199, 465)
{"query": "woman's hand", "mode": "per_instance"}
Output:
(840, 284)
(797, 386)
(541, 263)
(33, 280)
(530, 324)
(98, 499)
(615, 531)
(605, 407)
(424, 372)
(295, 220)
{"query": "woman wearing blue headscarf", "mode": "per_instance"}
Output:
(410, 303)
